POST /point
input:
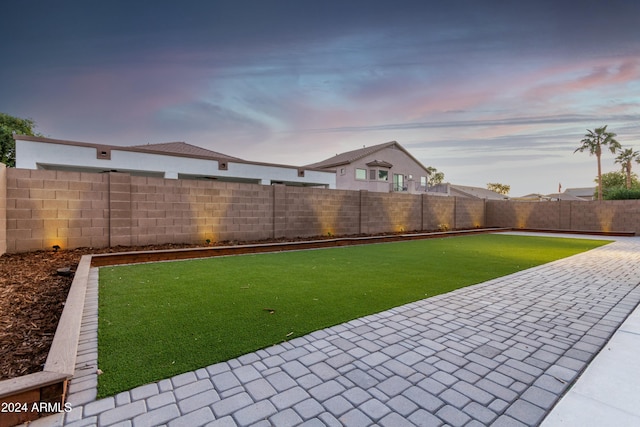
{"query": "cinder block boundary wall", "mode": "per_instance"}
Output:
(3, 208)
(607, 216)
(72, 209)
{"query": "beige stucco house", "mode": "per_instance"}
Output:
(383, 168)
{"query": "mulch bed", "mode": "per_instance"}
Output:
(33, 294)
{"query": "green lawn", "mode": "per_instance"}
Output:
(158, 320)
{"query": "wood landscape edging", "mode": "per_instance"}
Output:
(39, 394)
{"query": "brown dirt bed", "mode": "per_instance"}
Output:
(32, 296)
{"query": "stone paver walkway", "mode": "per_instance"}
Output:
(607, 393)
(498, 353)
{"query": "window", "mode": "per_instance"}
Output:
(361, 174)
(342, 171)
(423, 181)
(383, 175)
(372, 174)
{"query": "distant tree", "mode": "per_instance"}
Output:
(435, 177)
(499, 188)
(8, 126)
(616, 180)
(625, 158)
(593, 142)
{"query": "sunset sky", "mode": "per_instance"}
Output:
(484, 91)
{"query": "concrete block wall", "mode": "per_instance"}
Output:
(188, 211)
(470, 213)
(120, 210)
(319, 211)
(611, 215)
(447, 213)
(391, 212)
(279, 215)
(41, 208)
(439, 212)
(526, 214)
(3, 208)
(46, 208)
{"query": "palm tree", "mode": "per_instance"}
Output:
(593, 141)
(625, 157)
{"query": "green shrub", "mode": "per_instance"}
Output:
(621, 193)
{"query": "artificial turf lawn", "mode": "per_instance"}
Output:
(158, 320)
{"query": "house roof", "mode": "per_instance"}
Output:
(479, 192)
(581, 192)
(182, 148)
(546, 197)
(531, 196)
(565, 196)
(351, 156)
(178, 149)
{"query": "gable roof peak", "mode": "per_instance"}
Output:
(353, 155)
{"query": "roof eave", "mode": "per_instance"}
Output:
(157, 152)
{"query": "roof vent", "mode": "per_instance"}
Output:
(103, 153)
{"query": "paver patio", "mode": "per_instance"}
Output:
(498, 353)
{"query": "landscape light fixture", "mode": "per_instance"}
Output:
(56, 248)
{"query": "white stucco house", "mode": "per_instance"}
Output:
(172, 160)
(384, 168)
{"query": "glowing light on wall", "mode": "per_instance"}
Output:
(523, 212)
(605, 213)
(327, 211)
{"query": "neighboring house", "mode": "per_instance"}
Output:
(383, 168)
(564, 197)
(533, 197)
(585, 193)
(477, 192)
(447, 189)
(553, 197)
(170, 160)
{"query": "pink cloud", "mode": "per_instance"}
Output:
(574, 78)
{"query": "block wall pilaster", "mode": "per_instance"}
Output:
(119, 209)
(3, 208)
(279, 210)
(364, 211)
